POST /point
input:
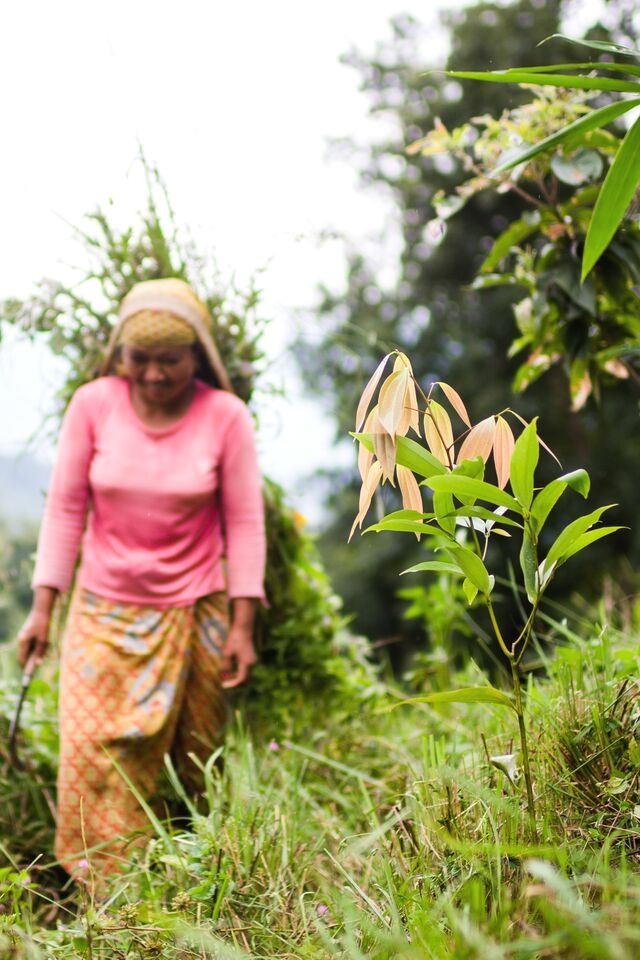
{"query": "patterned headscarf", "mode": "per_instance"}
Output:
(166, 311)
(147, 328)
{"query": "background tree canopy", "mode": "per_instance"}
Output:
(452, 332)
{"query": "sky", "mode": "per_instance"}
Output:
(235, 103)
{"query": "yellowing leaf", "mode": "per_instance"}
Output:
(402, 362)
(503, 445)
(411, 408)
(411, 496)
(368, 392)
(391, 402)
(455, 400)
(366, 494)
(479, 441)
(365, 456)
(384, 448)
(438, 433)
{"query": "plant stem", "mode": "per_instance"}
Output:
(517, 690)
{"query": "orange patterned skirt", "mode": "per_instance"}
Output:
(136, 683)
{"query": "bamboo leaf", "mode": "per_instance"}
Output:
(438, 566)
(368, 392)
(438, 432)
(470, 590)
(473, 567)
(564, 80)
(479, 441)
(411, 495)
(523, 464)
(586, 539)
(615, 195)
(461, 487)
(570, 534)
(444, 508)
(456, 401)
(596, 45)
(503, 451)
(484, 514)
(408, 526)
(529, 566)
(464, 695)
(546, 500)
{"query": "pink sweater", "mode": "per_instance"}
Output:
(163, 505)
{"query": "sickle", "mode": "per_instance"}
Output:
(27, 676)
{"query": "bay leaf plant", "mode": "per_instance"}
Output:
(468, 510)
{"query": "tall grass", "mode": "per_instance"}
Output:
(389, 835)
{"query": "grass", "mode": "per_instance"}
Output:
(387, 835)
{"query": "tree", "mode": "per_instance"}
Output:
(453, 332)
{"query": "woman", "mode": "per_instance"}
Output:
(156, 479)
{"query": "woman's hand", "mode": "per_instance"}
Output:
(34, 636)
(238, 657)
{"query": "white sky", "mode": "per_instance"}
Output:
(234, 102)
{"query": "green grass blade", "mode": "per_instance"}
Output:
(564, 80)
(463, 695)
(595, 45)
(614, 198)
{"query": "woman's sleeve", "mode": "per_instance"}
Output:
(65, 509)
(242, 509)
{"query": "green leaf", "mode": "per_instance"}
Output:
(524, 461)
(511, 237)
(436, 565)
(546, 500)
(408, 515)
(565, 80)
(592, 121)
(461, 486)
(529, 566)
(484, 514)
(607, 66)
(443, 506)
(472, 566)
(616, 194)
(464, 695)
(470, 591)
(408, 454)
(408, 526)
(595, 44)
(579, 168)
(586, 539)
(570, 534)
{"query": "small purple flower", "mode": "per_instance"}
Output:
(322, 909)
(274, 746)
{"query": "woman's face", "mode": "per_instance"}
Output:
(161, 374)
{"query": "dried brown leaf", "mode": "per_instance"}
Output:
(502, 449)
(368, 392)
(385, 450)
(365, 456)
(456, 402)
(367, 491)
(479, 441)
(439, 432)
(392, 400)
(411, 496)
(525, 423)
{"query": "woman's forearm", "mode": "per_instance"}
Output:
(243, 613)
(43, 600)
